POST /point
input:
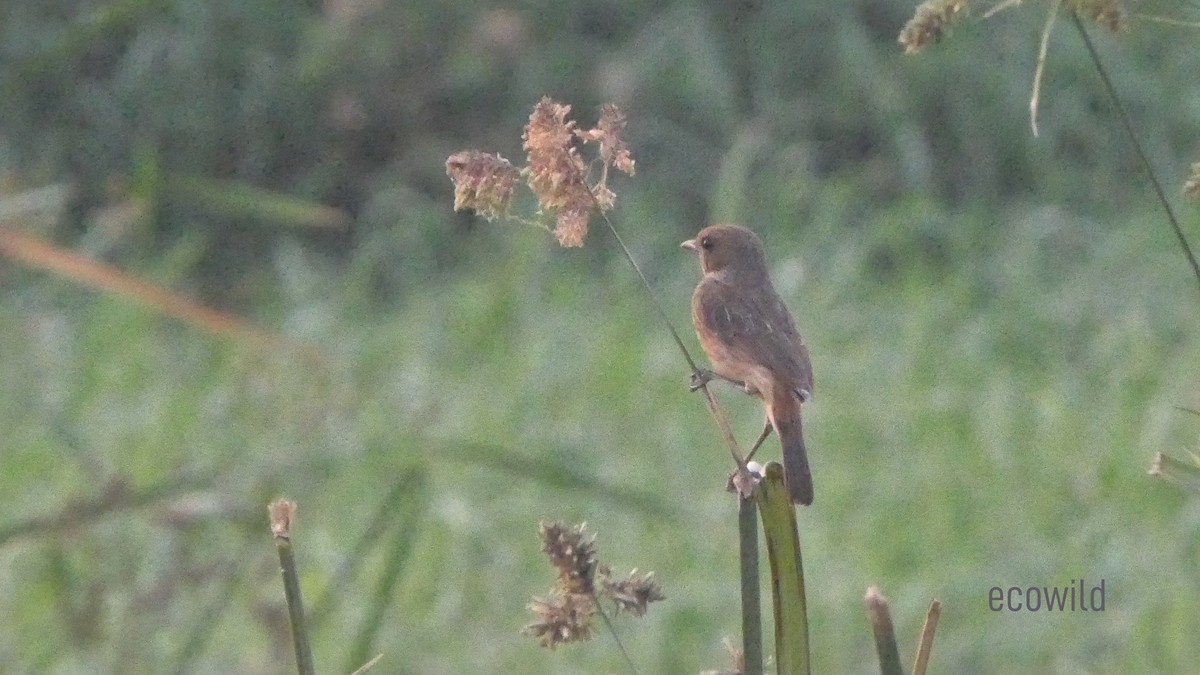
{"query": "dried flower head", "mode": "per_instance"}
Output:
(571, 226)
(930, 23)
(281, 512)
(1107, 13)
(572, 554)
(561, 619)
(580, 579)
(556, 172)
(634, 593)
(482, 182)
(1191, 186)
(608, 133)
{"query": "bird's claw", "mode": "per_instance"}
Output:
(702, 376)
(699, 378)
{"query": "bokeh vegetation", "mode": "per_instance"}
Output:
(1000, 327)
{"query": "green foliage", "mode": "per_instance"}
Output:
(355, 105)
(993, 432)
(792, 652)
(999, 333)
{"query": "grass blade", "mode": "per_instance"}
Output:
(787, 573)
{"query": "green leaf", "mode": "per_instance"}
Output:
(787, 573)
(235, 199)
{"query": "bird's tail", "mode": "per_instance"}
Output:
(784, 413)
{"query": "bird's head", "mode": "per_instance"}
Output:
(729, 250)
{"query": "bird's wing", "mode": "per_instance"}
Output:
(755, 327)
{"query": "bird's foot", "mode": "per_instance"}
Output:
(702, 376)
(699, 378)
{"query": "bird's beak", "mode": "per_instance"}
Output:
(690, 245)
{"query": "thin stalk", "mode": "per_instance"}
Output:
(921, 663)
(281, 523)
(662, 313)
(885, 634)
(613, 631)
(713, 407)
(1127, 123)
(368, 665)
(1038, 72)
(752, 654)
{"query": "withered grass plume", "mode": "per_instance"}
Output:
(555, 172)
(934, 18)
(632, 594)
(482, 182)
(580, 581)
(930, 23)
(572, 554)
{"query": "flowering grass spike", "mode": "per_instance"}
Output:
(555, 171)
(580, 580)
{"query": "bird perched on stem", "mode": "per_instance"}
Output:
(749, 337)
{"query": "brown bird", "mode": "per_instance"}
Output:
(751, 340)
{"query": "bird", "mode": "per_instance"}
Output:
(751, 340)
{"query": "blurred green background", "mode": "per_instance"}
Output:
(999, 326)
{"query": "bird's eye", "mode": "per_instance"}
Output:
(706, 243)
